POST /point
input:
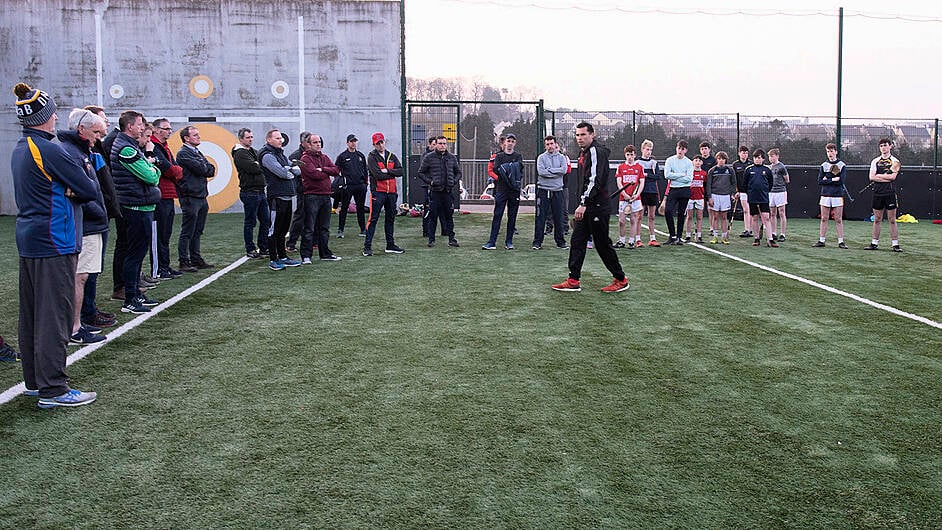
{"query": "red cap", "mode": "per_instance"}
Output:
(378, 137)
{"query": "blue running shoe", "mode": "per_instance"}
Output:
(276, 265)
(72, 398)
(288, 262)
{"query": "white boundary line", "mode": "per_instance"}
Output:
(83, 352)
(806, 281)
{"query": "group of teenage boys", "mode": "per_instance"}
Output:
(712, 183)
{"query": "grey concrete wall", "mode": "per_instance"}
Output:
(227, 60)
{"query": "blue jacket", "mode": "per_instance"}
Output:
(831, 188)
(758, 181)
(131, 190)
(94, 216)
(48, 223)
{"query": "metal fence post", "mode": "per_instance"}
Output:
(634, 128)
(738, 139)
(935, 162)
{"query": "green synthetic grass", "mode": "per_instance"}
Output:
(452, 388)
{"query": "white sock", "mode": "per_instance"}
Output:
(621, 239)
(724, 235)
(699, 235)
(821, 239)
(875, 241)
(840, 240)
(895, 242)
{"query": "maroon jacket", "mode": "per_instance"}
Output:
(314, 182)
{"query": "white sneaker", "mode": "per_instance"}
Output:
(306, 261)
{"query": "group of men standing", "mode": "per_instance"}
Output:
(270, 180)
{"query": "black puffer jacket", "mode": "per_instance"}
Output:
(440, 171)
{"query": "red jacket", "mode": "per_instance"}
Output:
(170, 172)
(314, 182)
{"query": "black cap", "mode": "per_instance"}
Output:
(352, 138)
(511, 135)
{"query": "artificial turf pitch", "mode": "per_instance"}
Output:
(453, 388)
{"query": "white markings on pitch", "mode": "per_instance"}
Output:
(84, 351)
(823, 287)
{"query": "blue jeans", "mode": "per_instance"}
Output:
(139, 237)
(255, 206)
(195, 210)
(549, 201)
(510, 199)
(386, 201)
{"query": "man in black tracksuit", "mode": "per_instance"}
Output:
(352, 165)
(592, 215)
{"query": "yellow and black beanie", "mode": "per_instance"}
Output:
(33, 106)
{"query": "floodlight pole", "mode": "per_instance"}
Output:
(840, 75)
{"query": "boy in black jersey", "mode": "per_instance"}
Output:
(883, 172)
(740, 167)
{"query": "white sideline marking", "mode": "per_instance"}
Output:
(806, 281)
(84, 351)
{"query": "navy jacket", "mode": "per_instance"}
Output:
(353, 168)
(440, 171)
(196, 170)
(758, 181)
(48, 223)
(94, 216)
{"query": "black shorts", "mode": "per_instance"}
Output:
(649, 199)
(884, 202)
(756, 207)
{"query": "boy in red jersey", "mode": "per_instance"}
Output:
(630, 180)
(695, 206)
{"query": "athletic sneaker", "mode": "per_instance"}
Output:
(818, 244)
(72, 398)
(699, 240)
(714, 240)
(536, 247)
(746, 233)
(630, 246)
(619, 244)
(367, 252)
(590, 244)
(756, 242)
(563, 246)
(29, 392)
(453, 243)
(841, 245)
(288, 262)
(687, 239)
(616, 286)
(569, 285)
(781, 237)
(331, 257)
(896, 248)
(394, 249)
(339, 234)
(725, 241)
(305, 261)
(276, 265)
(654, 243)
(871, 246)
(773, 244)
(135, 307)
(509, 246)
(8, 354)
(84, 336)
(488, 246)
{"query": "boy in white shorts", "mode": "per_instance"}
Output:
(630, 180)
(778, 195)
(831, 179)
(719, 192)
(695, 204)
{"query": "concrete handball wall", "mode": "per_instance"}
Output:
(332, 68)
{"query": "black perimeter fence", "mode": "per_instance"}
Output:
(472, 128)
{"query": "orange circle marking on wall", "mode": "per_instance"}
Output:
(201, 86)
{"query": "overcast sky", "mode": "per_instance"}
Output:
(693, 62)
